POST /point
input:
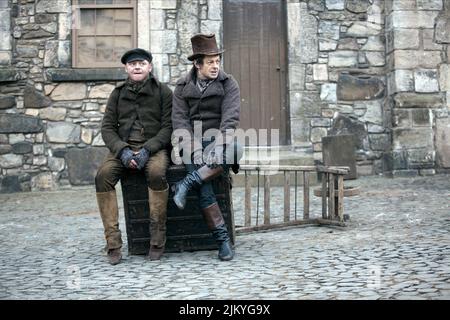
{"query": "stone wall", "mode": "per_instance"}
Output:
(5, 33)
(418, 38)
(377, 69)
(337, 76)
(50, 114)
(45, 121)
(172, 25)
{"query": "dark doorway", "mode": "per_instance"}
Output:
(255, 42)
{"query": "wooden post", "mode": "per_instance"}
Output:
(295, 195)
(340, 208)
(248, 200)
(257, 201)
(324, 195)
(331, 212)
(287, 196)
(266, 199)
(305, 195)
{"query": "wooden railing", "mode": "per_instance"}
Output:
(332, 199)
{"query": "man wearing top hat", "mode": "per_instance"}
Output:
(209, 98)
(136, 128)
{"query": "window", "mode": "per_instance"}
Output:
(105, 30)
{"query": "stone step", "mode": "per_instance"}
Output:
(279, 156)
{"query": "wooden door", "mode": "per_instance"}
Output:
(255, 44)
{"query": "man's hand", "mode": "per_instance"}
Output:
(141, 158)
(126, 156)
(197, 158)
(212, 161)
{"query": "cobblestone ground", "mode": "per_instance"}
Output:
(397, 246)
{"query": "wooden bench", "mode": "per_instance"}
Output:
(186, 229)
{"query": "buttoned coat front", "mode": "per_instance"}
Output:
(153, 106)
(218, 107)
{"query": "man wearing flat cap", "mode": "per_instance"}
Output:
(136, 128)
(208, 98)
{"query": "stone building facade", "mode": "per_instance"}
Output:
(377, 69)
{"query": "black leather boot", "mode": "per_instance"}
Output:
(216, 224)
(182, 188)
(220, 234)
(192, 180)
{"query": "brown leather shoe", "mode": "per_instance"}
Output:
(114, 256)
(155, 253)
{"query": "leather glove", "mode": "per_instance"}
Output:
(126, 155)
(197, 158)
(141, 158)
(212, 161)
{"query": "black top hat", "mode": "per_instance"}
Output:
(204, 44)
(136, 54)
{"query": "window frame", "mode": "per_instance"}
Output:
(78, 7)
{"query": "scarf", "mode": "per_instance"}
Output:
(203, 84)
(135, 86)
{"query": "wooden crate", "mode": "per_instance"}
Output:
(186, 229)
